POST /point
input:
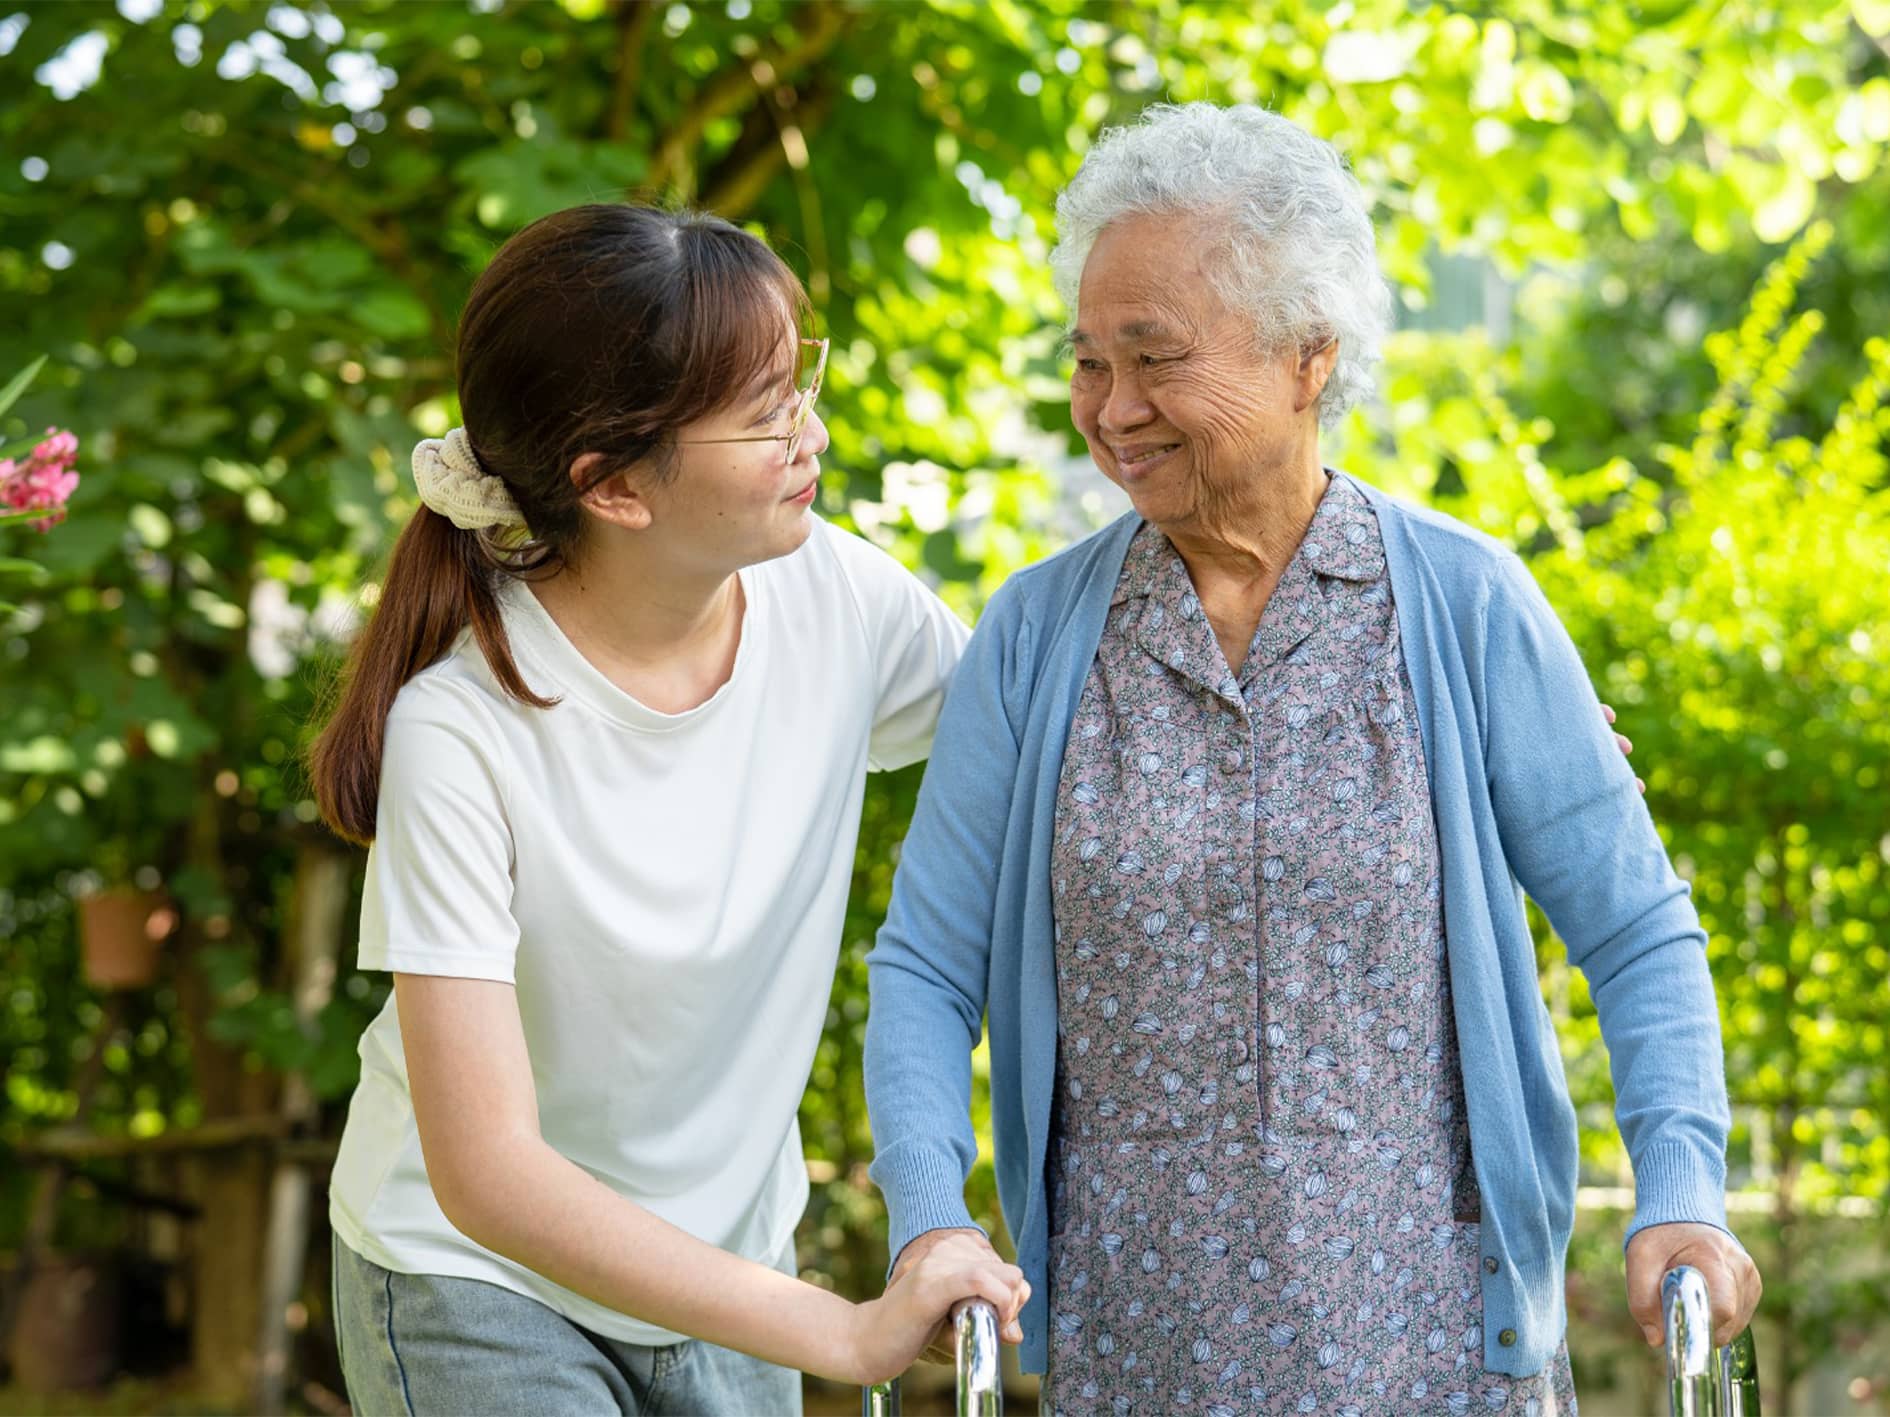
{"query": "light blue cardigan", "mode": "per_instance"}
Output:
(1527, 787)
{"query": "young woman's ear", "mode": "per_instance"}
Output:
(614, 498)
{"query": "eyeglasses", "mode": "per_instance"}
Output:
(804, 406)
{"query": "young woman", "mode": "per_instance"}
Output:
(606, 732)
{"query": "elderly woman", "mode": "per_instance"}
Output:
(1224, 830)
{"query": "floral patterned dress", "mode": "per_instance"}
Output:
(1261, 1190)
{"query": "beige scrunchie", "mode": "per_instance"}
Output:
(452, 482)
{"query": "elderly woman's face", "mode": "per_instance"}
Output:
(1180, 407)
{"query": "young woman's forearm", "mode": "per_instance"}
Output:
(539, 1210)
(505, 1187)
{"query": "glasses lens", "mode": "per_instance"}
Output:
(804, 408)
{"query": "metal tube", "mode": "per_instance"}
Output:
(980, 1378)
(1739, 1376)
(1689, 1323)
(1702, 1381)
(980, 1383)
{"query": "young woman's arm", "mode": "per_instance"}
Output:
(504, 1187)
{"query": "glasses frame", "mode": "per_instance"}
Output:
(802, 411)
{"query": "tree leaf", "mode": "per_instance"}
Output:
(12, 567)
(17, 384)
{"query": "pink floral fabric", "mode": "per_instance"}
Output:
(1261, 1190)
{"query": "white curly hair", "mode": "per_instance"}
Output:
(1296, 252)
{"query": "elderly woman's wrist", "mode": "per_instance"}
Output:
(924, 1189)
(1677, 1182)
(921, 1244)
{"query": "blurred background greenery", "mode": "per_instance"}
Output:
(1642, 253)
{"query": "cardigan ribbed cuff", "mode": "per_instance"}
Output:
(1676, 1182)
(924, 1187)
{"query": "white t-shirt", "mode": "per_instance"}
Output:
(665, 891)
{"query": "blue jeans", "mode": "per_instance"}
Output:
(413, 1345)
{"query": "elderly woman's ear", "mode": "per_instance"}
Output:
(1315, 367)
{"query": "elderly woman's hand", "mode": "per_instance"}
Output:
(941, 1346)
(1732, 1280)
(894, 1328)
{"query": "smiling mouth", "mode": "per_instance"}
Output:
(1130, 461)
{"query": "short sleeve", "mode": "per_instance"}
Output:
(438, 895)
(916, 643)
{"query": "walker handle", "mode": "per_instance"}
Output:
(980, 1381)
(1703, 1381)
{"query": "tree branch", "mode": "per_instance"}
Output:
(758, 145)
(734, 187)
(633, 24)
(745, 172)
(818, 26)
(388, 243)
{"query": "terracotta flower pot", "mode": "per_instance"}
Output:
(119, 934)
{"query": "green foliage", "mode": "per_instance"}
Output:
(1728, 590)
(10, 394)
(244, 246)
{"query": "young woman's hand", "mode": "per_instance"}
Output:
(892, 1330)
(943, 1345)
(1622, 742)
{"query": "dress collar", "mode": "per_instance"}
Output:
(1342, 543)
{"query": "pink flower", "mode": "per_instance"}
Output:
(60, 446)
(45, 481)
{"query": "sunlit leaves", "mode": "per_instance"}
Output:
(249, 295)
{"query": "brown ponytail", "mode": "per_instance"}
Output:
(436, 582)
(598, 329)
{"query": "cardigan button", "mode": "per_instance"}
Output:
(1489, 1264)
(1507, 1338)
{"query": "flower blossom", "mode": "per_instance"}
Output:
(43, 481)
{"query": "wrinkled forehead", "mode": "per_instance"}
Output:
(1160, 307)
(1101, 332)
(1147, 276)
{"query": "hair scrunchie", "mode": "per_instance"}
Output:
(452, 483)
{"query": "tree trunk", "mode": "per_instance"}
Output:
(230, 1185)
(311, 946)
